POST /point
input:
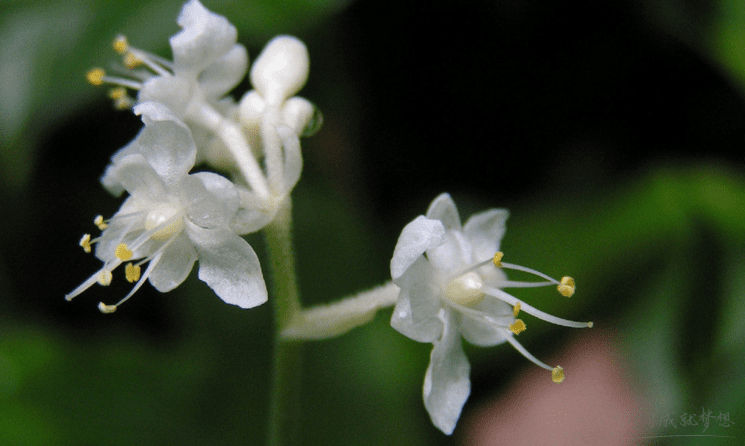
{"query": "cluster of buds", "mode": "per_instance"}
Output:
(172, 218)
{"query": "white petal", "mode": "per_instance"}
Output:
(417, 237)
(253, 213)
(446, 383)
(251, 219)
(173, 92)
(443, 209)
(205, 38)
(208, 208)
(165, 142)
(224, 74)
(229, 265)
(484, 333)
(175, 264)
(221, 189)
(136, 176)
(417, 310)
(484, 231)
(452, 255)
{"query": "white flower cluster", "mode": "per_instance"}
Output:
(172, 218)
(447, 278)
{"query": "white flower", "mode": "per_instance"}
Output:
(172, 219)
(451, 282)
(207, 63)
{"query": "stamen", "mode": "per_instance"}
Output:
(95, 76)
(120, 44)
(117, 93)
(85, 242)
(106, 309)
(497, 260)
(136, 57)
(132, 272)
(476, 314)
(505, 297)
(518, 327)
(131, 60)
(122, 252)
(98, 221)
(566, 287)
(526, 353)
(121, 101)
(529, 271)
(139, 283)
(516, 309)
(104, 277)
(557, 374)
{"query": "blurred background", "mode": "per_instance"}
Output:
(613, 131)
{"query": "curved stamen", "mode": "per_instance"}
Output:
(139, 283)
(530, 271)
(147, 59)
(519, 284)
(511, 339)
(97, 76)
(505, 297)
(476, 314)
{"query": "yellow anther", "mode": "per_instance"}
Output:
(516, 309)
(131, 60)
(498, 259)
(590, 324)
(104, 278)
(518, 327)
(122, 252)
(132, 272)
(124, 103)
(95, 76)
(566, 287)
(120, 44)
(557, 374)
(117, 93)
(106, 309)
(98, 221)
(85, 242)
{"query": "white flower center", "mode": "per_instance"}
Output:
(465, 289)
(159, 219)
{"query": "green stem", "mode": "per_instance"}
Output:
(284, 412)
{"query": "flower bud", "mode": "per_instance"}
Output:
(281, 69)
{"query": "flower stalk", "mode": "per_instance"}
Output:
(285, 408)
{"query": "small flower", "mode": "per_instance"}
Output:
(451, 279)
(172, 219)
(207, 63)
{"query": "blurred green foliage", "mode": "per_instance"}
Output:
(646, 209)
